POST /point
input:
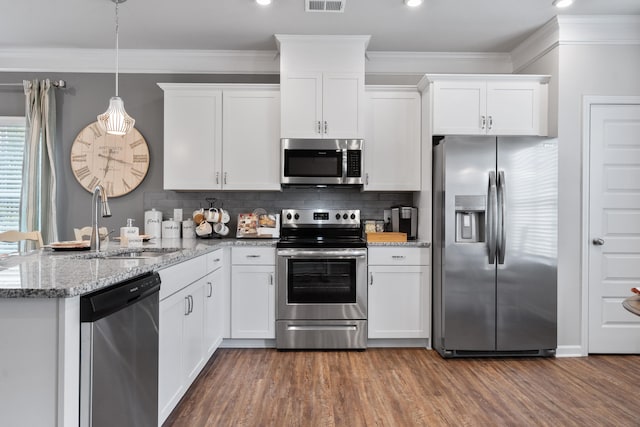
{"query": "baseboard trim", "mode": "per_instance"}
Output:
(570, 351)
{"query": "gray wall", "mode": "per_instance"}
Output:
(87, 95)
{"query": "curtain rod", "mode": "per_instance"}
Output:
(55, 83)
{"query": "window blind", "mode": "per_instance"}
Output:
(12, 140)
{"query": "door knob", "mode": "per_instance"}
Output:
(598, 241)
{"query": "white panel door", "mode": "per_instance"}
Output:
(192, 140)
(614, 227)
(253, 301)
(459, 107)
(301, 105)
(342, 105)
(251, 138)
(392, 141)
(513, 108)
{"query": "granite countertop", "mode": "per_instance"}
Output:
(407, 244)
(45, 273)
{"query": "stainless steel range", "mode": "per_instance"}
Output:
(322, 285)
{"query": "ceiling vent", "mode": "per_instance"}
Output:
(324, 5)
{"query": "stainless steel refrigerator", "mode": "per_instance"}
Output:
(494, 246)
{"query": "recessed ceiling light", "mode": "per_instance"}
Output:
(413, 3)
(263, 2)
(562, 3)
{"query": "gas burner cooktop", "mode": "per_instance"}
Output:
(321, 228)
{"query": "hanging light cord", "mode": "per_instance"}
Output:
(117, 46)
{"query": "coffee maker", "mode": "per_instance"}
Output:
(404, 219)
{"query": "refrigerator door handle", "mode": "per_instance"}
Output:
(502, 212)
(492, 214)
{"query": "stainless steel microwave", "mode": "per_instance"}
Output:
(321, 161)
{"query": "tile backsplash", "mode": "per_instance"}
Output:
(371, 204)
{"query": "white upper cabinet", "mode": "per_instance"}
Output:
(221, 137)
(251, 139)
(322, 86)
(192, 138)
(392, 139)
(487, 104)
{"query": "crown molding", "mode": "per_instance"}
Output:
(159, 61)
(576, 30)
(234, 62)
(406, 63)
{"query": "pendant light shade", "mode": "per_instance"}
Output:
(115, 120)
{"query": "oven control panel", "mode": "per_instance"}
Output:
(320, 217)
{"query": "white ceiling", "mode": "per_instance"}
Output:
(436, 26)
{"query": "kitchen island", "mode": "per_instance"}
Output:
(40, 320)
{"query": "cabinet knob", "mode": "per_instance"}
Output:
(598, 241)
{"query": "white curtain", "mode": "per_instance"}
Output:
(38, 201)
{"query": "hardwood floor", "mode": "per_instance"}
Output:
(409, 387)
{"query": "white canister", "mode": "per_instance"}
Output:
(153, 223)
(177, 214)
(188, 229)
(171, 229)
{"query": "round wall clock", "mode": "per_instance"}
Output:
(119, 163)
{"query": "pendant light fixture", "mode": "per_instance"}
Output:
(115, 120)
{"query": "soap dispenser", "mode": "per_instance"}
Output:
(128, 232)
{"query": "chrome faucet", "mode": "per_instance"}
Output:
(106, 212)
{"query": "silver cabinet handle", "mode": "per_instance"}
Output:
(370, 279)
(190, 304)
(490, 122)
(271, 279)
(225, 178)
(598, 241)
(210, 289)
(318, 129)
(398, 256)
(254, 256)
(216, 260)
(366, 178)
(186, 305)
(483, 122)
(326, 127)
(217, 177)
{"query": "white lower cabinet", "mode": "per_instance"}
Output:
(253, 293)
(190, 326)
(399, 293)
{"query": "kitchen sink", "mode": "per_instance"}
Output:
(142, 253)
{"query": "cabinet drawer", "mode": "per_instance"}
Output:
(398, 256)
(180, 275)
(253, 256)
(214, 260)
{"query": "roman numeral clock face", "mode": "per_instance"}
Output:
(119, 163)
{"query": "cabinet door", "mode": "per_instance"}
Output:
(392, 141)
(398, 302)
(301, 105)
(192, 139)
(513, 108)
(171, 382)
(253, 301)
(251, 138)
(342, 105)
(192, 329)
(213, 311)
(459, 107)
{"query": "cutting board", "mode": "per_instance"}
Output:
(387, 237)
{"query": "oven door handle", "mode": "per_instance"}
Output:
(297, 253)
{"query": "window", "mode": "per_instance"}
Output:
(12, 139)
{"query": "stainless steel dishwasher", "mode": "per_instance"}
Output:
(119, 354)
